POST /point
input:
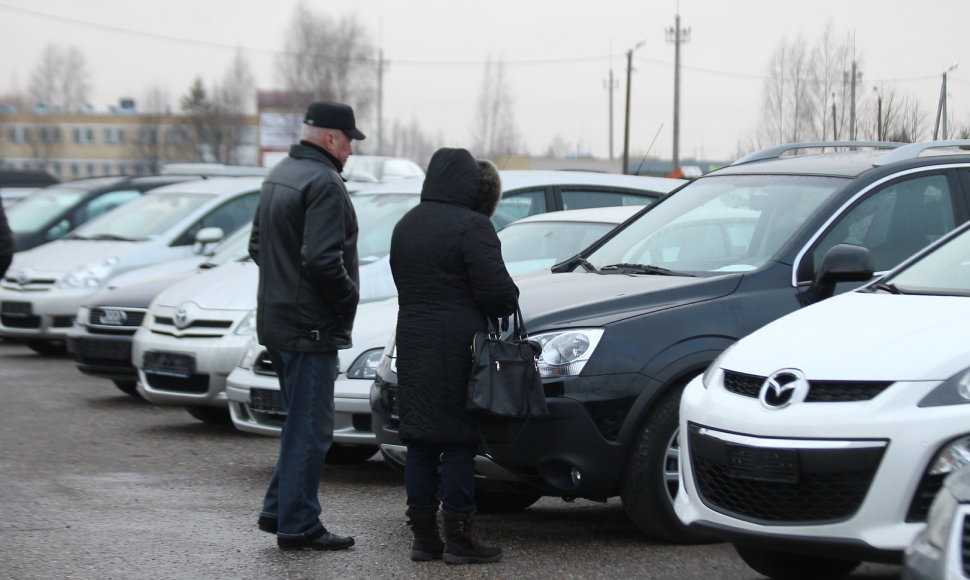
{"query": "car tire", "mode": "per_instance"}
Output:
(349, 454)
(503, 501)
(210, 415)
(127, 387)
(790, 566)
(391, 463)
(651, 480)
(47, 347)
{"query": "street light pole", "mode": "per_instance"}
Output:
(611, 84)
(677, 36)
(878, 113)
(626, 123)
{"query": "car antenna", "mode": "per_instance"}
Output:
(644, 158)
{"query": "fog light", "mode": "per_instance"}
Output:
(575, 476)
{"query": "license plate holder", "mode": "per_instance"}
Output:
(168, 364)
(17, 309)
(108, 349)
(763, 464)
(266, 401)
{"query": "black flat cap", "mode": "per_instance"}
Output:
(331, 115)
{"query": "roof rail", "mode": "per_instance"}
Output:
(776, 151)
(912, 150)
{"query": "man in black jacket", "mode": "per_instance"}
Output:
(304, 240)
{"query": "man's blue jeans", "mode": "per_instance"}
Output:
(306, 385)
(455, 482)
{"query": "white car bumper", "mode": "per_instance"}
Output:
(745, 468)
(40, 315)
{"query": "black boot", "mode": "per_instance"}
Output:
(427, 543)
(461, 546)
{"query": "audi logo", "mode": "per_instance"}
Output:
(113, 317)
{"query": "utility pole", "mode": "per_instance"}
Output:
(610, 85)
(852, 78)
(626, 124)
(941, 108)
(380, 101)
(835, 125)
(677, 35)
(878, 113)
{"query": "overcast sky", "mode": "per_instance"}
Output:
(557, 55)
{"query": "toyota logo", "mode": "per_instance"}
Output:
(113, 317)
(22, 278)
(783, 388)
(181, 318)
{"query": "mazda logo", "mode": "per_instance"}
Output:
(181, 318)
(113, 317)
(783, 388)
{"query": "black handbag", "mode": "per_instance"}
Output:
(505, 373)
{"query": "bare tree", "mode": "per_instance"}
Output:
(831, 58)
(326, 59)
(494, 132)
(60, 80)
(411, 142)
(787, 98)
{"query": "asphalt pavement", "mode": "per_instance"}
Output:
(95, 484)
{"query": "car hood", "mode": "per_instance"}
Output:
(60, 256)
(374, 324)
(863, 336)
(162, 269)
(572, 299)
(376, 280)
(231, 286)
(136, 295)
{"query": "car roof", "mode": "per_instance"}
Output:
(521, 178)
(840, 164)
(217, 185)
(608, 215)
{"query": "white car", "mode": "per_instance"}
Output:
(940, 551)
(819, 440)
(42, 290)
(528, 244)
(188, 366)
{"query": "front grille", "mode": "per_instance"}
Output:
(20, 321)
(167, 321)
(772, 485)
(819, 391)
(119, 317)
(96, 351)
(62, 321)
(193, 384)
(965, 545)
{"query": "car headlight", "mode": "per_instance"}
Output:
(954, 456)
(90, 275)
(942, 511)
(566, 352)
(249, 357)
(248, 324)
(365, 367)
(953, 391)
(713, 373)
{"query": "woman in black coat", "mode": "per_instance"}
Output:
(447, 264)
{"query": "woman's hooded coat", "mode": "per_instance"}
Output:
(447, 264)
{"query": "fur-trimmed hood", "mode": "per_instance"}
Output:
(455, 177)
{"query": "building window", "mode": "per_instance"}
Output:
(75, 170)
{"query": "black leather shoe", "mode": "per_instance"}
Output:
(325, 541)
(267, 524)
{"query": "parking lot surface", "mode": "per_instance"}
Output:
(98, 484)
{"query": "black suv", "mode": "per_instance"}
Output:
(629, 321)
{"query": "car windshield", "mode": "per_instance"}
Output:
(943, 272)
(35, 210)
(231, 249)
(535, 245)
(141, 219)
(718, 224)
(377, 215)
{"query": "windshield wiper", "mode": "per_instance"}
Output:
(888, 287)
(643, 269)
(586, 265)
(110, 237)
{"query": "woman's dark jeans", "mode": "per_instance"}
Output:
(306, 385)
(455, 482)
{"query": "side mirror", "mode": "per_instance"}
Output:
(205, 238)
(842, 263)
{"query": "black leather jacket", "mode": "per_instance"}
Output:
(305, 242)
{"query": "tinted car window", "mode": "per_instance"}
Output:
(103, 203)
(516, 205)
(896, 221)
(719, 224)
(583, 199)
(227, 217)
(37, 209)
